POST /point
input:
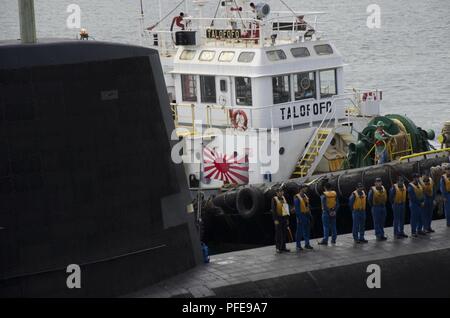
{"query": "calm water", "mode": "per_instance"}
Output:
(408, 58)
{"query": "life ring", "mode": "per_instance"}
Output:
(239, 119)
(305, 83)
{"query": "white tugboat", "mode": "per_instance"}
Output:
(245, 70)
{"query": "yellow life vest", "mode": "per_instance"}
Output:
(330, 199)
(446, 182)
(280, 206)
(360, 201)
(400, 194)
(427, 188)
(304, 203)
(418, 190)
(379, 197)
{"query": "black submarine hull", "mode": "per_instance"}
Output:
(86, 176)
(233, 220)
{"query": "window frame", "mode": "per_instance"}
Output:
(195, 86)
(253, 54)
(289, 95)
(187, 50)
(300, 56)
(237, 94)
(335, 83)
(203, 97)
(280, 58)
(206, 51)
(314, 86)
(225, 52)
(323, 53)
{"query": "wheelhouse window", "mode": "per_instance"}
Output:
(305, 85)
(281, 87)
(276, 55)
(207, 56)
(300, 52)
(246, 57)
(243, 91)
(223, 86)
(189, 88)
(328, 85)
(323, 49)
(226, 56)
(208, 89)
(187, 55)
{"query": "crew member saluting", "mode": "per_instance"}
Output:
(377, 199)
(416, 204)
(357, 203)
(330, 205)
(280, 214)
(445, 190)
(397, 196)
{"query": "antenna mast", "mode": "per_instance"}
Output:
(27, 21)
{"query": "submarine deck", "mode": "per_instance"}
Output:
(338, 270)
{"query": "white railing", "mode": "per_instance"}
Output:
(204, 112)
(256, 33)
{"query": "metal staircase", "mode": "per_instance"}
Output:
(313, 153)
(317, 146)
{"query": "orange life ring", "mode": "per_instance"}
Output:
(239, 119)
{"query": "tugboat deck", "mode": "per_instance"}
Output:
(338, 270)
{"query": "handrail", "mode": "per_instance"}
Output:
(264, 27)
(431, 152)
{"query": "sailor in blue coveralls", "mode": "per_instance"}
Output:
(357, 202)
(330, 206)
(427, 212)
(377, 199)
(416, 205)
(397, 196)
(303, 214)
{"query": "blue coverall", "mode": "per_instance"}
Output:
(428, 211)
(416, 210)
(359, 220)
(398, 210)
(378, 215)
(328, 221)
(446, 195)
(303, 220)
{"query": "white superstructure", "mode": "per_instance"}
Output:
(245, 71)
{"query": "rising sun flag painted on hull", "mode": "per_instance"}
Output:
(229, 169)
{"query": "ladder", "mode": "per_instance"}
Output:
(317, 146)
(313, 153)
